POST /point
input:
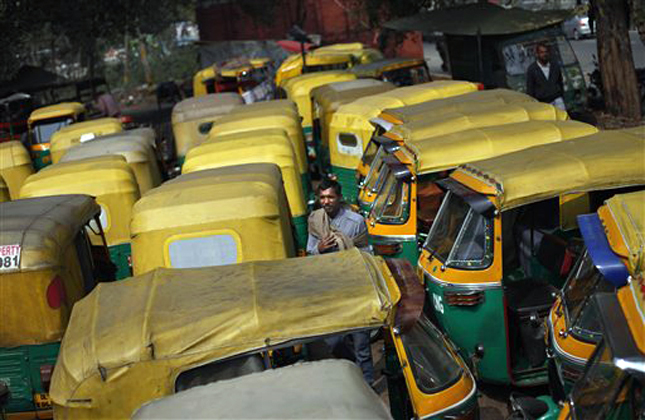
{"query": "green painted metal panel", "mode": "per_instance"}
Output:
(120, 256)
(301, 233)
(347, 179)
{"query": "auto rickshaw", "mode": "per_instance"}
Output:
(179, 328)
(498, 249)
(405, 190)
(399, 71)
(299, 88)
(269, 118)
(330, 389)
(449, 123)
(47, 267)
(327, 99)
(213, 217)
(467, 102)
(45, 121)
(14, 113)
(192, 118)
(15, 166)
(112, 182)
(614, 250)
(350, 128)
(201, 78)
(77, 133)
(260, 146)
(140, 155)
(611, 386)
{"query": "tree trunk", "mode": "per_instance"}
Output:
(615, 59)
(143, 53)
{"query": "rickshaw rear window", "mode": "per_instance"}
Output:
(602, 390)
(459, 236)
(433, 366)
(585, 280)
(44, 129)
(204, 251)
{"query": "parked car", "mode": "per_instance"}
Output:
(577, 27)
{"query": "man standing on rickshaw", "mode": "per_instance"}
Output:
(335, 227)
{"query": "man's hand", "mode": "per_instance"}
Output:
(326, 244)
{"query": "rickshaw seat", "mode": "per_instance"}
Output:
(530, 295)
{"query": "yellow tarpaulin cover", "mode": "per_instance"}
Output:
(44, 229)
(260, 146)
(628, 211)
(375, 69)
(298, 89)
(604, 160)
(15, 166)
(432, 126)
(461, 103)
(108, 178)
(265, 120)
(278, 105)
(4, 191)
(449, 151)
(245, 201)
(58, 110)
(127, 341)
(70, 135)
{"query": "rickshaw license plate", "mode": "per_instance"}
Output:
(9, 257)
(42, 401)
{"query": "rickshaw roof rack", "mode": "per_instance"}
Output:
(628, 213)
(605, 160)
(43, 227)
(206, 196)
(377, 68)
(479, 19)
(333, 389)
(58, 110)
(225, 311)
(451, 150)
(213, 104)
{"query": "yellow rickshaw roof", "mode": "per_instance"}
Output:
(58, 110)
(301, 85)
(330, 389)
(240, 122)
(334, 94)
(211, 105)
(74, 131)
(340, 47)
(96, 176)
(276, 105)
(260, 62)
(217, 312)
(43, 227)
(377, 68)
(604, 160)
(13, 153)
(449, 151)
(628, 212)
(132, 151)
(475, 98)
(207, 73)
(479, 117)
(369, 107)
(142, 135)
(253, 191)
(235, 69)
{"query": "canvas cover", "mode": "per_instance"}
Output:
(55, 111)
(628, 212)
(127, 341)
(607, 159)
(375, 69)
(328, 389)
(447, 152)
(71, 135)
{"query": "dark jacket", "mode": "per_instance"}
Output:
(542, 89)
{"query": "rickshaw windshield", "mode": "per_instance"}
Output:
(377, 173)
(391, 206)
(602, 389)
(44, 129)
(372, 147)
(460, 237)
(433, 366)
(583, 282)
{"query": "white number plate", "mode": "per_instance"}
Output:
(9, 257)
